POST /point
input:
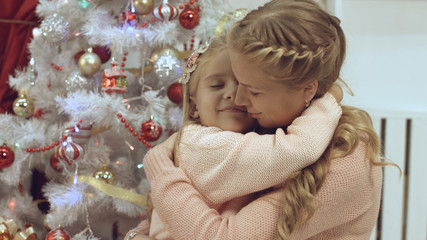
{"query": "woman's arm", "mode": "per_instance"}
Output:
(224, 165)
(348, 203)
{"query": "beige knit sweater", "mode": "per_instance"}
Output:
(348, 204)
(226, 167)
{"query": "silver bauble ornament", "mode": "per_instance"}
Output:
(167, 67)
(75, 82)
(55, 29)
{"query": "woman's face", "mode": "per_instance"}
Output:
(270, 102)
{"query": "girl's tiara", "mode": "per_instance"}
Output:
(192, 63)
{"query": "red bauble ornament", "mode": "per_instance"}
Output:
(129, 18)
(54, 163)
(77, 56)
(175, 92)
(151, 130)
(189, 18)
(103, 53)
(7, 156)
(58, 234)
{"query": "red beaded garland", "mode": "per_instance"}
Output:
(132, 130)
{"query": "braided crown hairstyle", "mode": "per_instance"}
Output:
(296, 42)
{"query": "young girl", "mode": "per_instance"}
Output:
(276, 52)
(226, 165)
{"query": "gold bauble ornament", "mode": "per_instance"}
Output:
(89, 63)
(143, 7)
(105, 175)
(23, 106)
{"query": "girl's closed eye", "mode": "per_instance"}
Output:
(216, 85)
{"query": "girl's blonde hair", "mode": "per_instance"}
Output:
(297, 42)
(216, 46)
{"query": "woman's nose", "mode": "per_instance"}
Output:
(240, 98)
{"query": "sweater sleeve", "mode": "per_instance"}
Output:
(348, 205)
(187, 215)
(349, 200)
(224, 165)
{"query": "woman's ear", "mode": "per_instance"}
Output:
(310, 90)
(194, 113)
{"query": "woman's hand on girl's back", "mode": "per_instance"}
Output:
(169, 143)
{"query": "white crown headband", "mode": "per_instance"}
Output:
(192, 63)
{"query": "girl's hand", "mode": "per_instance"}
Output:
(336, 91)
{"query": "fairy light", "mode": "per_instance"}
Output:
(12, 205)
(130, 146)
(140, 165)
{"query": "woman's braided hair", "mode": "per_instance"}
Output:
(297, 42)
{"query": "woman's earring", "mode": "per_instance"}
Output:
(307, 103)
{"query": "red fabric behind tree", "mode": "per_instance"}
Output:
(14, 38)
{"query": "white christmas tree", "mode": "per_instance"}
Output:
(101, 89)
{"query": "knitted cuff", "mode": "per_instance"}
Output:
(156, 161)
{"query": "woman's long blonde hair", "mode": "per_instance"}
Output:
(297, 42)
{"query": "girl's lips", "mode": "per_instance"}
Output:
(233, 109)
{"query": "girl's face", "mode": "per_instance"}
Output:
(270, 102)
(214, 99)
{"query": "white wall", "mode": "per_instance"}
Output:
(386, 64)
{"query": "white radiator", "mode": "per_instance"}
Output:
(403, 213)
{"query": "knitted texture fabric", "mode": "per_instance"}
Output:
(226, 166)
(348, 204)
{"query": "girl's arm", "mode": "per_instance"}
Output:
(348, 204)
(224, 165)
(187, 216)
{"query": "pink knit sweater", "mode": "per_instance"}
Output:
(226, 166)
(348, 204)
